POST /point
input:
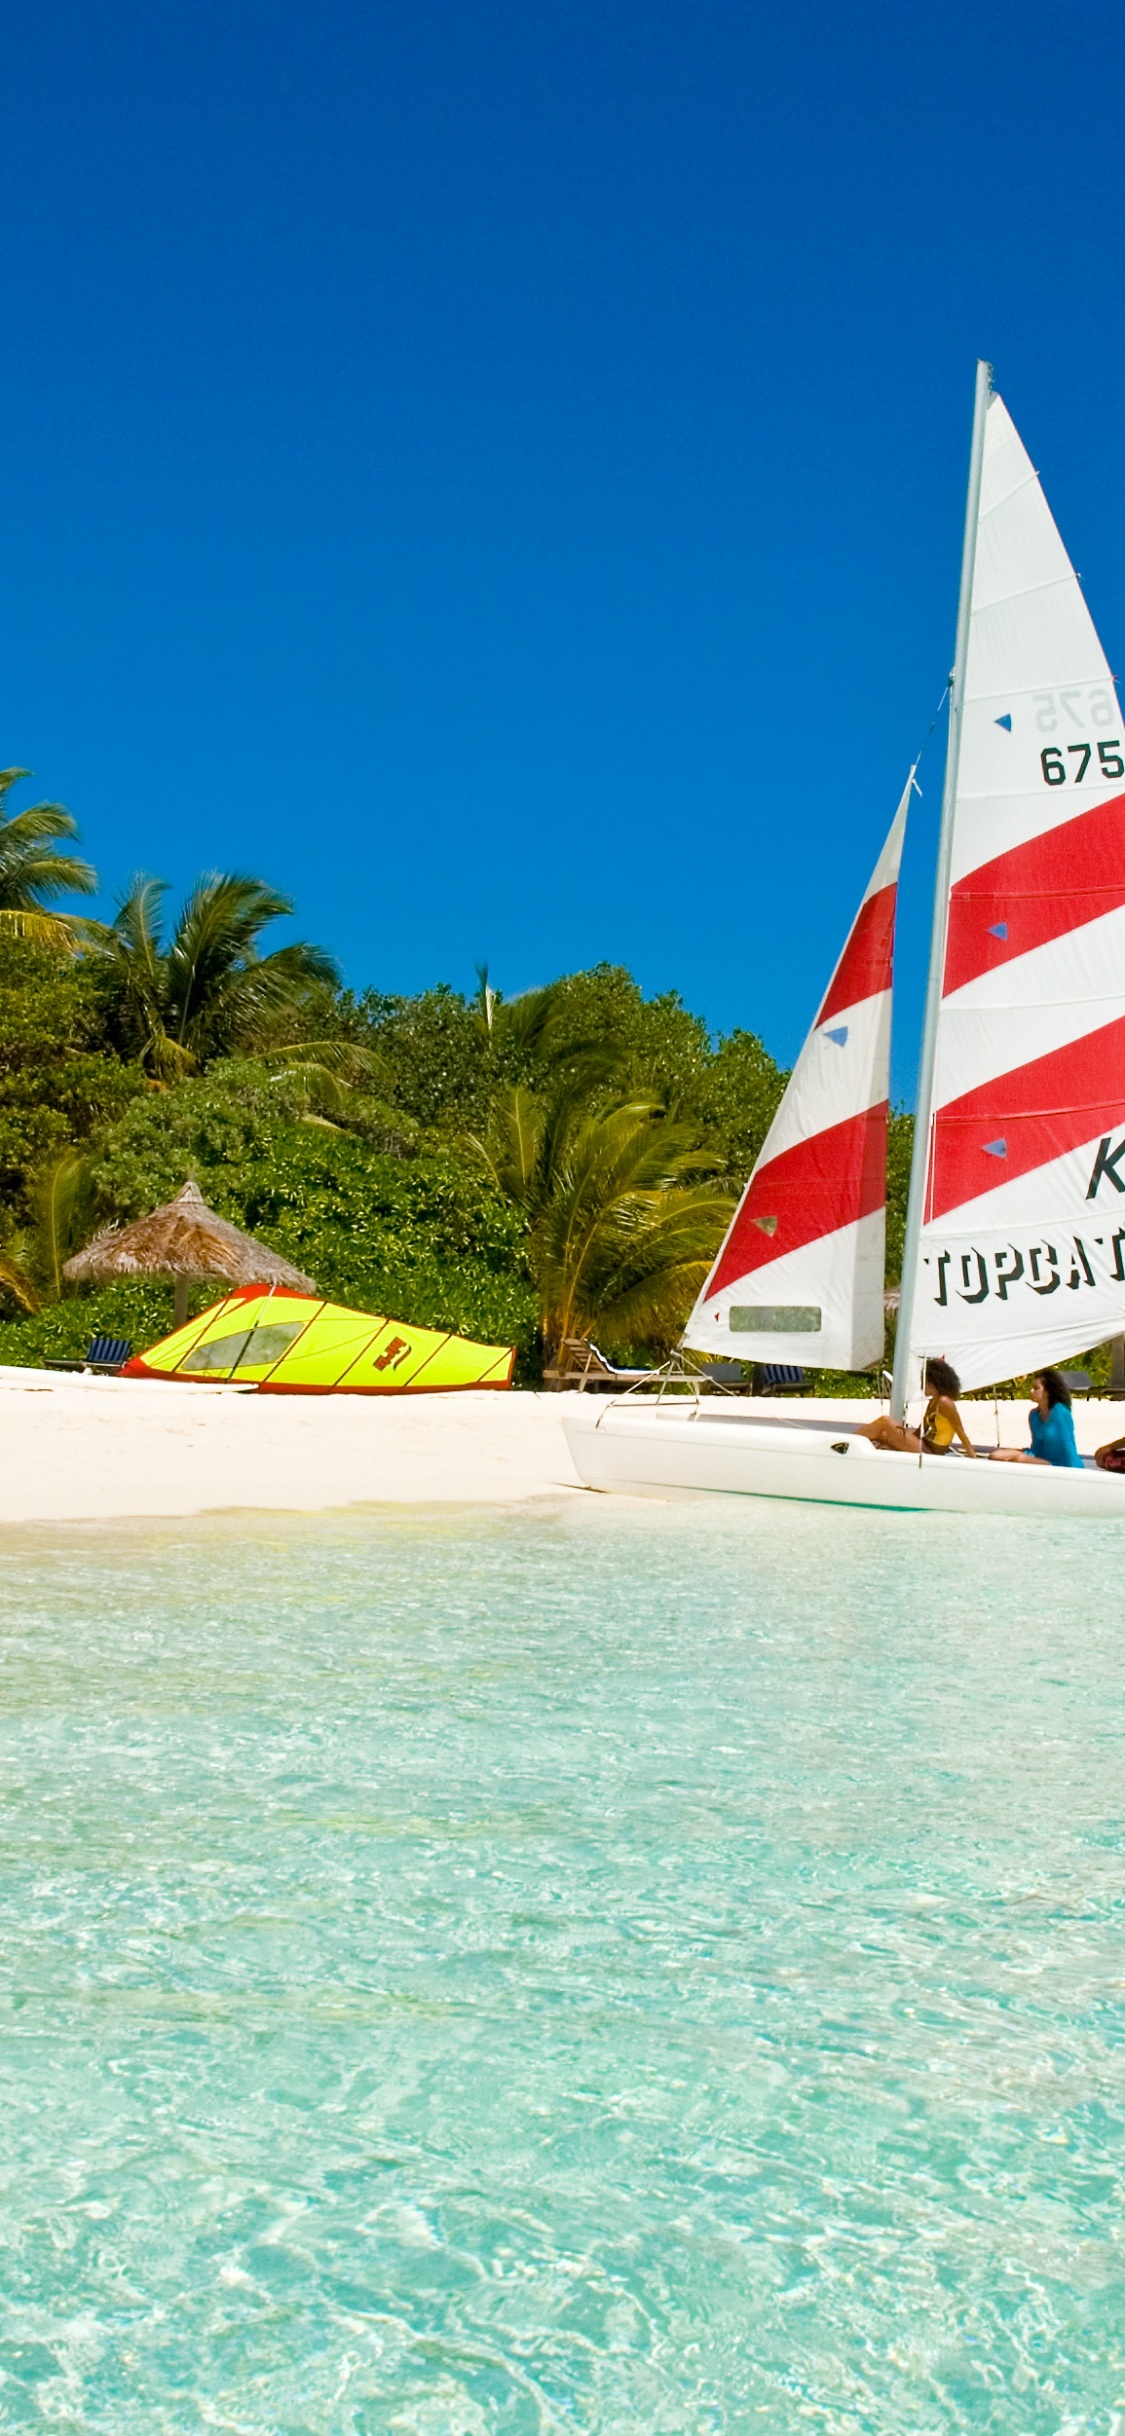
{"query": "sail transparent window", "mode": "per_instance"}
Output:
(775, 1319)
(252, 1347)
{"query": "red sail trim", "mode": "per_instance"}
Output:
(1039, 1111)
(812, 1190)
(1051, 884)
(865, 966)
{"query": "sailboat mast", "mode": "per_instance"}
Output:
(919, 1165)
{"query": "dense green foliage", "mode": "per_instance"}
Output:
(424, 1236)
(138, 1310)
(562, 1163)
(58, 1082)
(207, 989)
(622, 1207)
(377, 1187)
(900, 1145)
(36, 867)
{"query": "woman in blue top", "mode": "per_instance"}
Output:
(1052, 1427)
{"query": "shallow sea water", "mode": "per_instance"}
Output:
(595, 1967)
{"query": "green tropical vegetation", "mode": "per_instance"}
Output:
(563, 1163)
(176, 1003)
(35, 869)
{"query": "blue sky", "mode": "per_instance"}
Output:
(497, 470)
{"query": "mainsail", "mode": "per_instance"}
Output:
(1021, 1249)
(800, 1275)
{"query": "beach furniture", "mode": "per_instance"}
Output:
(780, 1379)
(730, 1376)
(580, 1364)
(107, 1354)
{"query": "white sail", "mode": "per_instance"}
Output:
(800, 1274)
(1021, 1256)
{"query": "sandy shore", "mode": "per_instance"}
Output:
(77, 1447)
(84, 1448)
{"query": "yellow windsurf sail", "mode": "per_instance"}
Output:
(294, 1344)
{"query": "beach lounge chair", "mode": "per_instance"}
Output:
(730, 1375)
(580, 1364)
(106, 1354)
(780, 1379)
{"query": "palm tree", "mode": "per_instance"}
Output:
(63, 1212)
(625, 1213)
(208, 991)
(534, 1034)
(33, 870)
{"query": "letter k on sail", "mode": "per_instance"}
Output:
(1106, 1165)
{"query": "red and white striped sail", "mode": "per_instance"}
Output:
(1022, 1257)
(800, 1275)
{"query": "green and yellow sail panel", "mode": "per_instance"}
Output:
(291, 1344)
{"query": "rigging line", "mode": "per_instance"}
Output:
(931, 727)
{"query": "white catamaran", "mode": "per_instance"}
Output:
(1015, 1237)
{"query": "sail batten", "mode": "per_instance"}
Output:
(1020, 1251)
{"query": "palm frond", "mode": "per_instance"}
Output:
(348, 1060)
(222, 993)
(646, 1282)
(8, 780)
(33, 866)
(132, 950)
(534, 1032)
(63, 1204)
(512, 1149)
(626, 1212)
(137, 922)
(167, 1058)
(16, 1281)
(309, 1086)
(61, 932)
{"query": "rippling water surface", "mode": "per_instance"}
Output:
(600, 1968)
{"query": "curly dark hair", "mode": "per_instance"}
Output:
(942, 1377)
(1057, 1390)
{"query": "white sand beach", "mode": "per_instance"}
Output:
(78, 1448)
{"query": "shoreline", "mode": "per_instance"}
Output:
(84, 1449)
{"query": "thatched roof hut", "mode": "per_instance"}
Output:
(187, 1241)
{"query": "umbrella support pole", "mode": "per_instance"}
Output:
(181, 1309)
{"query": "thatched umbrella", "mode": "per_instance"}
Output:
(188, 1242)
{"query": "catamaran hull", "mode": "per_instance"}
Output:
(654, 1449)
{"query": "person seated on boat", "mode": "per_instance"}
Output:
(941, 1421)
(1052, 1427)
(1111, 1458)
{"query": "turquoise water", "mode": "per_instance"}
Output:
(597, 1968)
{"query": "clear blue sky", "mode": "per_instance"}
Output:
(496, 470)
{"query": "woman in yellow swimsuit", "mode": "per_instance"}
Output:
(941, 1421)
